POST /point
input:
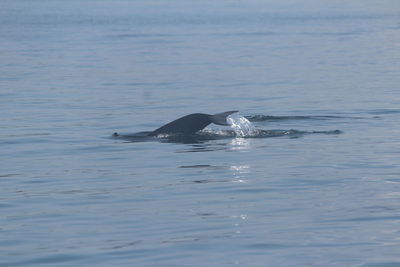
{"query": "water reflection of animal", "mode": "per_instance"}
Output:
(190, 124)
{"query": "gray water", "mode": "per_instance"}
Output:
(322, 188)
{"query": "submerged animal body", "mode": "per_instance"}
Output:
(192, 123)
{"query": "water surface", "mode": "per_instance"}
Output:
(322, 188)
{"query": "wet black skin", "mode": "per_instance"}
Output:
(187, 125)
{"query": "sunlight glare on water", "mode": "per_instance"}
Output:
(242, 126)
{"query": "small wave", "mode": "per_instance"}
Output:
(385, 111)
(290, 133)
(259, 133)
(259, 118)
(242, 126)
(202, 166)
(210, 134)
(133, 137)
(195, 166)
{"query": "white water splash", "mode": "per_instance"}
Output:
(242, 126)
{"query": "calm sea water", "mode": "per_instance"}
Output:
(74, 72)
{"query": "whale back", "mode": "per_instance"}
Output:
(189, 124)
(192, 123)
